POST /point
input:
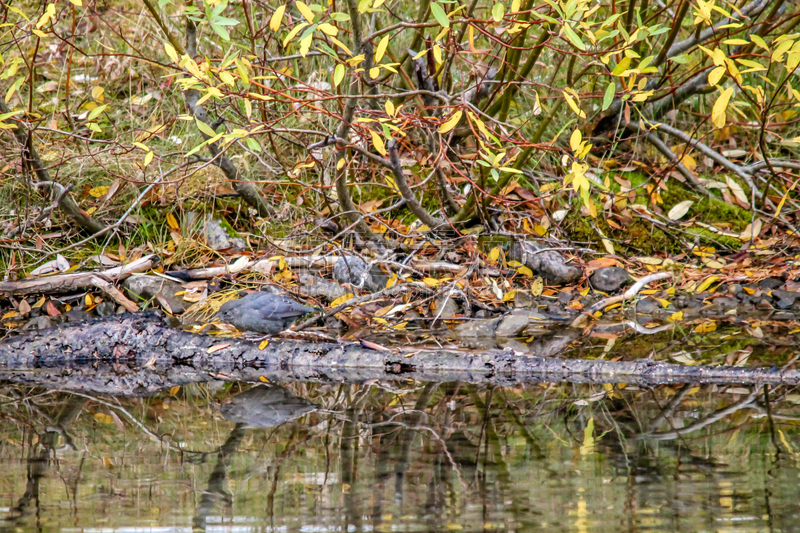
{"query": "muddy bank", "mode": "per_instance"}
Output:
(141, 353)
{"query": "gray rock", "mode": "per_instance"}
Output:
(770, 283)
(565, 297)
(764, 304)
(609, 279)
(735, 289)
(523, 299)
(512, 325)
(647, 306)
(477, 328)
(40, 322)
(217, 233)
(317, 287)
(149, 287)
(355, 271)
(785, 303)
(549, 264)
(106, 308)
(724, 304)
(446, 307)
(785, 295)
(76, 315)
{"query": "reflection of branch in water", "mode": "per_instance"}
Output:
(668, 409)
(703, 422)
(39, 463)
(158, 438)
(215, 491)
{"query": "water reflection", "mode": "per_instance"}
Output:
(402, 455)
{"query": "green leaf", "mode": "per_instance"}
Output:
(498, 11)
(338, 74)
(205, 128)
(573, 38)
(221, 31)
(440, 15)
(609, 96)
(253, 145)
(96, 112)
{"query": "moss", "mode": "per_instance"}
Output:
(637, 237)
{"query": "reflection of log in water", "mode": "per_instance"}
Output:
(186, 357)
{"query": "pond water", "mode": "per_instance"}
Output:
(401, 456)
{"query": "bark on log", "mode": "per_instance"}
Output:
(145, 339)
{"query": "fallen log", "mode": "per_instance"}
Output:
(145, 339)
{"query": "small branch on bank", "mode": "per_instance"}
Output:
(75, 281)
(114, 293)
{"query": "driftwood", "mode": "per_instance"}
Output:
(75, 281)
(144, 340)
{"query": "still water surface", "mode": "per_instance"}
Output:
(401, 456)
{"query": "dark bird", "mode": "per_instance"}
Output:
(262, 312)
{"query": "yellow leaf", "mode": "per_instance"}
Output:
(262, 379)
(174, 390)
(525, 271)
(340, 300)
(507, 297)
(305, 11)
(715, 75)
(148, 157)
(537, 287)
(390, 110)
(720, 107)
(10, 314)
(609, 246)
(263, 344)
(706, 327)
(431, 282)
(676, 317)
(377, 142)
(451, 123)
(573, 105)
(328, 29)
(381, 49)
(172, 222)
(575, 140)
(494, 254)
(277, 18)
(706, 284)
(103, 418)
(173, 55)
(78, 3)
(97, 192)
